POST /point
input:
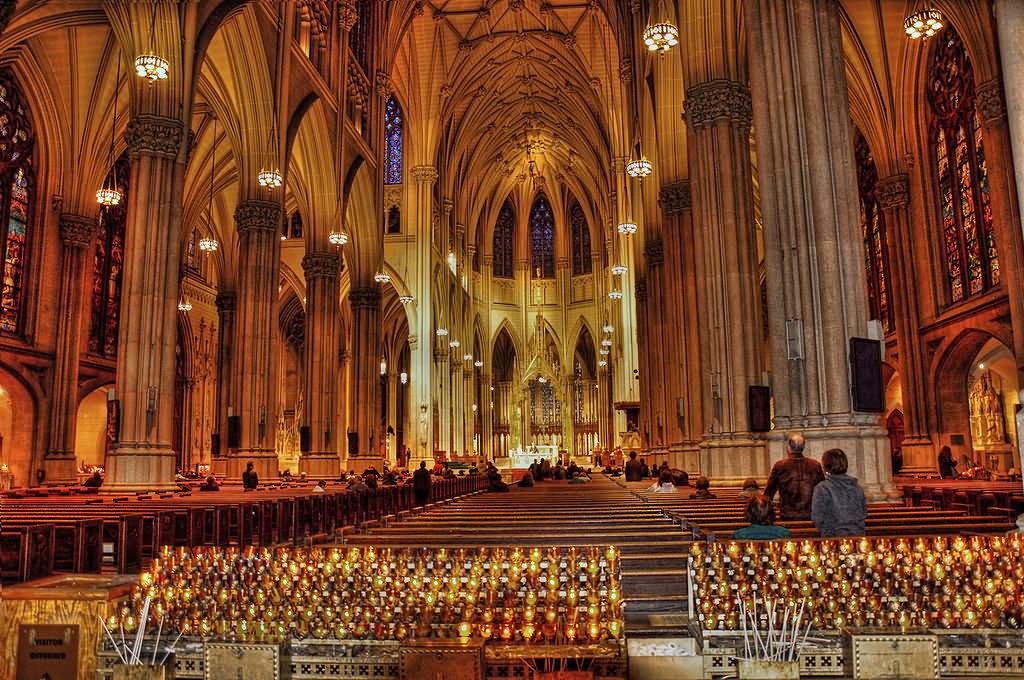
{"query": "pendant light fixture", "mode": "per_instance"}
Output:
(208, 244)
(337, 238)
(661, 33)
(109, 195)
(923, 24)
(149, 64)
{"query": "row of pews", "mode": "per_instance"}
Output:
(719, 517)
(44, 532)
(1005, 499)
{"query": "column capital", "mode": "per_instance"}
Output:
(991, 103)
(448, 205)
(347, 15)
(654, 251)
(618, 166)
(675, 198)
(321, 265)
(562, 263)
(718, 100)
(424, 174)
(367, 297)
(257, 216)
(460, 230)
(151, 135)
(626, 70)
(226, 301)
(641, 291)
(77, 231)
(382, 83)
(893, 191)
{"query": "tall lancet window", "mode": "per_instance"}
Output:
(504, 240)
(542, 236)
(954, 128)
(16, 199)
(581, 263)
(108, 267)
(872, 222)
(394, 130)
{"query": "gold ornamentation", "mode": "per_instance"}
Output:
(319, 265)
(675, 198)
(718, 100)
(367, 297)
(258, 216)
(991, 103)
(154, 136)
(77, 231)
(893, 191)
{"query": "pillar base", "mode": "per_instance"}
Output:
(61, 468)
(685, 456)
(326, 465)
(219, 467)
(919, 457)
(264, 461)
(132, 468)
(866, 448)
(730, 459)
(360, 463)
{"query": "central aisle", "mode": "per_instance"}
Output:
(556, 513)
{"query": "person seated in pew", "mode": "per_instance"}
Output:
(526, 481)
(702, 486)
(494, 477)
(761, 514)
(838, 507)
(634, 468)
(250, 478)
(750, 488)
(357, 485)
(370, 476)
(286, 476)
(665, 484)
(682, 477)
(645, 472)
(977, 472)
(94, 482)
(579, 477)
(559, 472)
(947, 466)
(421, 483)
(320, 487)
(794, 478)
(210, 484)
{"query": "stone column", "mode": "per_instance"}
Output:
(77, 233)
(321, 363)
(226, 301)
(893, 195)
(142, 458)
(486, 415)
(813, 245)
(1009, 16)
(365, 302)
(718, 115)
(657, 370)
(644, 352)
(468, 415)
(421, 360)
(392, 416)
(257, 223)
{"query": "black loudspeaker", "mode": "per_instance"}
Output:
(234, 432)
(866, 373)
(759, 408)
(215, 444)
(353, 443)
(305, 439)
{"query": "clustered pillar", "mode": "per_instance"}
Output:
(365, 303)
(322, 270)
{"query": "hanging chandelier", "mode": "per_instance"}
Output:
(467, 357)
(608, 328)
(184, 305)
(478, 363)
(618, 269)
(270, 178)
(661, 37)
(615, 294)
(406, 299)
(337, 238)
(639, 168)
(627, 228)
(208, 245)
(541, 379)
(602, 363)
(382, 277)
(441, 332)
(607, 342)
(110, 196)
(605, 351)
(150, 65)
(923, 24)
(454, 344)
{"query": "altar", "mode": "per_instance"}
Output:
(524, 458)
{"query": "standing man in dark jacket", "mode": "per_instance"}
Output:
(421, 483)
(794, 478)
(633, 472)
(250, 479)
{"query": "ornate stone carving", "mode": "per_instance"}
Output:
(893, 191)
(226, 301)
(154, 136)
(367, 297)
(654, 251)
(392, 196)
(382, 84)
(675, 198)
(991, 103)
(77, 231)
(258, 216)
(718, 100)
(626, 70)
(641, 292)
(347, 15)
(424, 173)
(320, 265)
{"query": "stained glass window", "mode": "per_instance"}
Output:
(394, 128)
(16, 189)
(968, 235)
(108, 268)
(504, 239)
(872, 222)
(581, 263)
(542, 236)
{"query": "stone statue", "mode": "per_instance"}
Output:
(986, 410)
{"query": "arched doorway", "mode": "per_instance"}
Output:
(92, 434)
(17, 424)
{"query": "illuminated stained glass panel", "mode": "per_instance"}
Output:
(15, 253)
(504, 233)
(968, 237)
(108, 269)
(16, 198)
(542, 236)
(394, 127)
(581, 263)
(876, 255)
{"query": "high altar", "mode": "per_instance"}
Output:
(520, 458)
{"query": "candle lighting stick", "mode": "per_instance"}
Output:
(156, 645)
(170, 649)
(113, 642)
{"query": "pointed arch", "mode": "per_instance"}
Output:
(872, 221)
(17, 202)
(503, 245)
(542, 238)
(579, 232)
(394, 141)
(108, 266)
